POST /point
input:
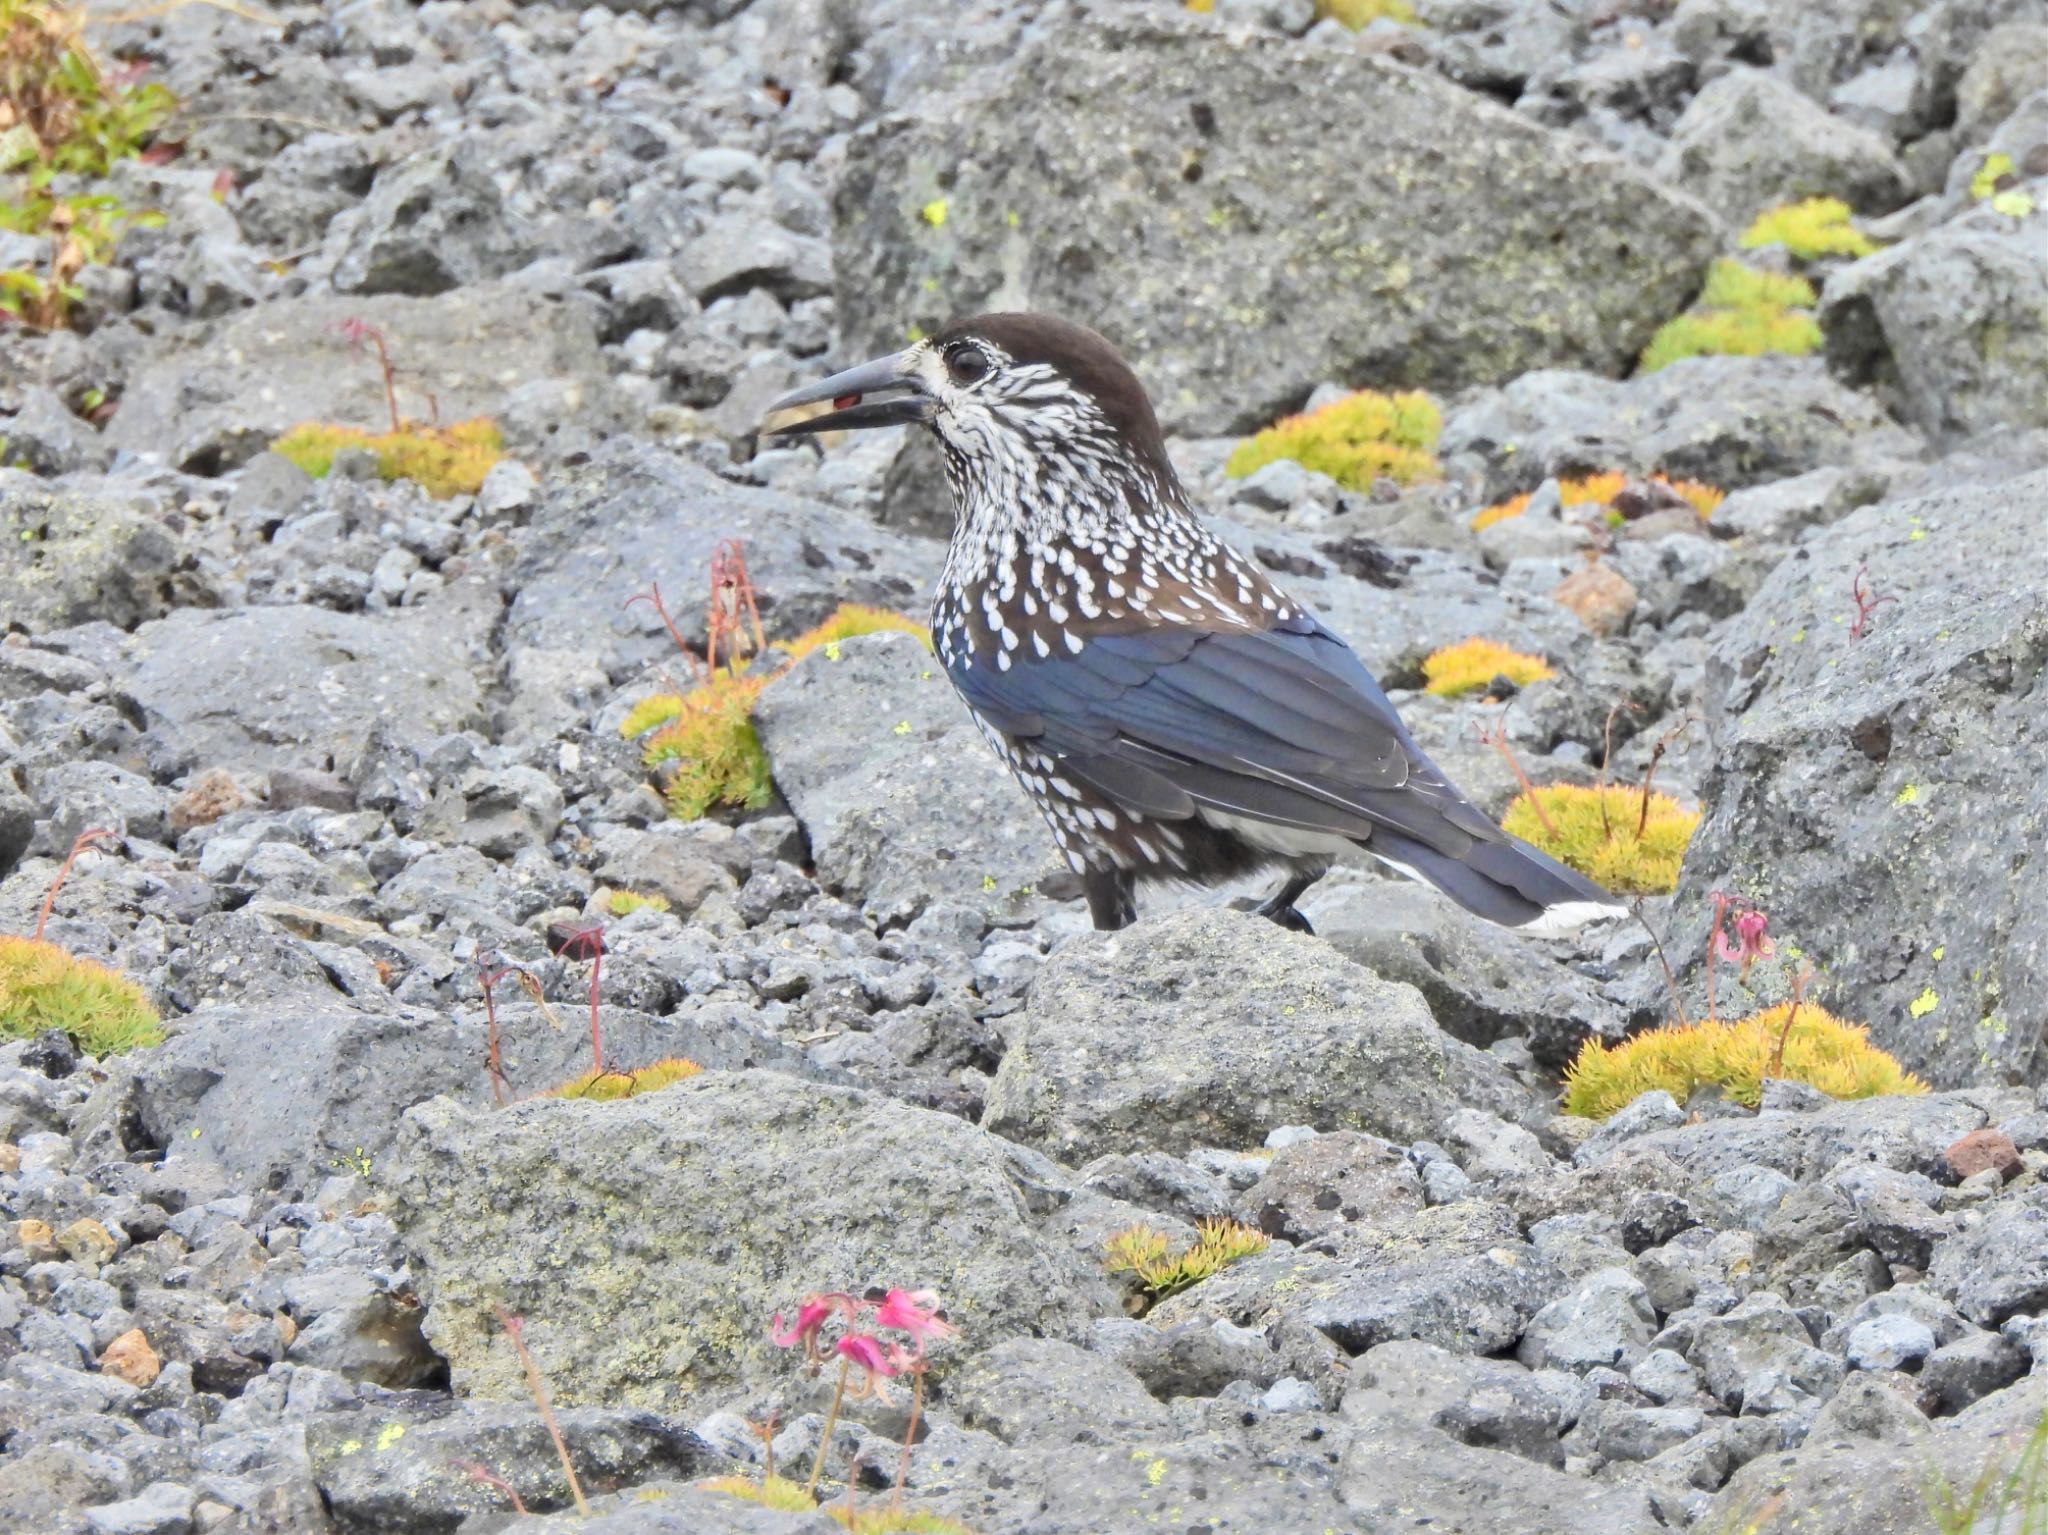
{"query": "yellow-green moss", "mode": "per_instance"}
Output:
(658, 709)
(608, 1086)
(1997, 181)
(1354, 441)
(443, 461)
(42, 987)
(775, 1492)
(789, 1497)
(1808, 230)
(1474, 663)
(1596, 834)
(1742, 312)
(851, 620)
(623, 903)
(1822, 1051)
(1147, 1255)
(1599, 490)
(711, 740)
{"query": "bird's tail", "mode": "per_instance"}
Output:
(1506, 881)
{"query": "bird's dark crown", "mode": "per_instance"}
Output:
(1082, 357)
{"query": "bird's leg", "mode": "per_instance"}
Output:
(1110, 899)
(1279, 906)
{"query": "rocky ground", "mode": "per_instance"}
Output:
(360, 746)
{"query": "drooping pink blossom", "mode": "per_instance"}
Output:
(811, 1316)
(914, 1312)
(867, 1354)
(1749, 942)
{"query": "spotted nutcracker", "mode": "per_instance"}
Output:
(1173, 713)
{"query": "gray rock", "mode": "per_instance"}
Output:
(44, 437)
(71, 558)
(1482, 982)
(1972, 1367)
(857, 743)
(1847, 1485)
(1207, 1027)
(1726, 421)
(1749, 141)
(1794, 700)
(1314, 1186)
(637, 515)
(672, 1508)
(432, 222)
(1663, 1376)
(1606, 1320)
(161, 1508)
(1894, 1342)
(1032, 1389)
(300, 686)
(844, 1188)
(1570, 257)
(209, 403)
(1758, 1354)
(398, 1465)
(1487, 1403)
(1951, 324)
(1997, 1267)
(739, 252)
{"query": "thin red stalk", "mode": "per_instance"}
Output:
(538, 1387)
(1714, 950)
(596, 1043)
(831, 1422)
(653, 597)
(478, 1473)
(909, 1434)
(1777, 1066)
(88, 840)
(1607, 762)
(1670, 978)
(1497, 738)
(390, 373)
(488, 979)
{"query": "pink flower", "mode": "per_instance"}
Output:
(1750, 941)
(871, 1358)
(811, 1316)
(914, 1312)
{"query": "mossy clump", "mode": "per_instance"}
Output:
(1742, 312)
(1600, 490)
(1997, 182)
(1822, 1051)
(1809, 230)
(623, 903)
(1595, 831)
(1356, 440)
(1474, 663)
(609, 1086)
(60, 115)
(442, 460)
(708, 732)
(1147, 1255)
(789, 1497)
(42, 987)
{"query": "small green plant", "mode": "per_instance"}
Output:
(1601, 490)
(1815, 1047)
(1623, 839)
(1997, 182)
(2004, 1500)
(610, 1086)
(1809, 230)
(1742, 312)
(1474, 663)
(1147, 1255)
(1361, 438)
(623, 903)
(43, 987)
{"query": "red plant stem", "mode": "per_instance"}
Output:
(1777, 1066)
(390, 373)
(596, 1043)
(88, 840)
(909, 1434)
(478, 1473)
(1670, 978)
(1497, 738)
(1607, 763)
(831, 1422)
(653, 597)
(489, 979)
(538, 1387)
(1714, 950)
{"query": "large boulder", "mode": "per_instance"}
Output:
(637, 517)
(68, 557)
(901, 799)
(264, 687)
(1136, 175)
(1953, 323)
(649, 1242)
(208, 399)
(1884, 798)
(1213, 1028)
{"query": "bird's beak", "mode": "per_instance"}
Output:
(894, 375)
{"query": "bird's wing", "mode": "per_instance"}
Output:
(1282, 725)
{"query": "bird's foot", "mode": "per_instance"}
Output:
(1286, 916)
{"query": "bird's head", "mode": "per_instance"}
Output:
(1002, 392)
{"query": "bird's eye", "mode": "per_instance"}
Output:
(967, 365)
